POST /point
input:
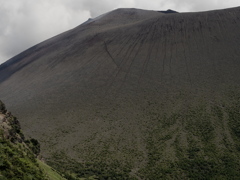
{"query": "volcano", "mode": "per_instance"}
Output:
(134, 94)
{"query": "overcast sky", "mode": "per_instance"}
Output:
(24, 23)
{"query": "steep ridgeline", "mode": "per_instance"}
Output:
(18, 156)
(134, 94)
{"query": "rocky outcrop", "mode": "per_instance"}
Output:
(17, 155)
(10, 126)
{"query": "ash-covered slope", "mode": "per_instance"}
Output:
(140, 89)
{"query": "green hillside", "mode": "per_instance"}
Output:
(18, 156)
(194, 139)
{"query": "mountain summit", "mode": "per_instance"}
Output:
(134, 93)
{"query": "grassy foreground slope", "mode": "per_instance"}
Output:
(17, 155)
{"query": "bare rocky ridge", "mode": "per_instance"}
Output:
(129, 84)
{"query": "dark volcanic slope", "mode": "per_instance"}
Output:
(128, 83)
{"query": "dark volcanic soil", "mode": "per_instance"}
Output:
(105, 85)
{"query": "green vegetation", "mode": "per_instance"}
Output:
(200, 141)
(34, 145)
(91, 170)
(17, 155)
(196, 140)
(50, 172)
(17, 162)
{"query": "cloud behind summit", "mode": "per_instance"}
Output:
(26, 22)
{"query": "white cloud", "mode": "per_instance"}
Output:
(24, 23)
